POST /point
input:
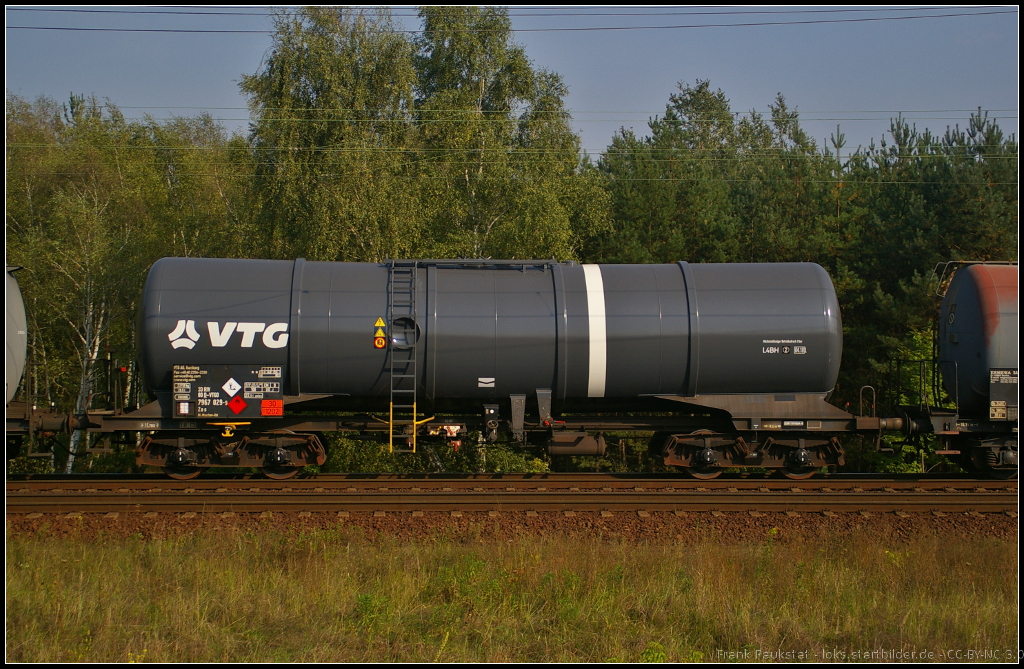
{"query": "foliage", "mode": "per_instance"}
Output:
(368, 145)
(500, 174)
(26, 465)
(330, 140)
(345, 454)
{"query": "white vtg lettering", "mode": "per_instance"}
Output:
(275, 335)
(220, 337)
(769, 349)
(249, 331)
(281, 338)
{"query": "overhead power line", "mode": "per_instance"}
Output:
(517, 9)
(515, 13)
(535, 30)
(581, 111)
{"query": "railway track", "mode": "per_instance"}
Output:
(494, 493)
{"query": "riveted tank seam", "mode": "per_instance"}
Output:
(295, 316)
(430, 334)
(693, 359)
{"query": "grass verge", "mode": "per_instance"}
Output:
(333, 596)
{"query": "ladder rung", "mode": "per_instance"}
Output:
(403, 376)
(399, 390)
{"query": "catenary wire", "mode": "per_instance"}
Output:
(513, 13)
(535, 30)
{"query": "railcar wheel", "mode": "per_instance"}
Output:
(279, 473)
(704, 473)
(1003, 474)
(798, 473)
(183, 473)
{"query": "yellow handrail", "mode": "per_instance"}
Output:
(415, 423)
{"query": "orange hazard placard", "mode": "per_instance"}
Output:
(271, 407)
(379, 342)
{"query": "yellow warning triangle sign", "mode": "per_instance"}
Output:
(379, 333)
(379, 324)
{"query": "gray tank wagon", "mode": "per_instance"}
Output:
(751, 348)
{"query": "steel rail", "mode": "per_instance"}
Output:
(354, 499)
(503, 482)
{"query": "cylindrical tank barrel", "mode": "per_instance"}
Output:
(978, 340)
(17, 339)
(482, 330)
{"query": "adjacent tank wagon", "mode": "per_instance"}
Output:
(17, 337)
(977, 345)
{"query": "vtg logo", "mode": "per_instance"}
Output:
(185, 334)
(187, 328)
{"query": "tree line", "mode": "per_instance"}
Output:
(366, 144)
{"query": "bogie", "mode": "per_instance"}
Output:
(184, 457)
(706, 454)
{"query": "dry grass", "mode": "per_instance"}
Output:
(333, 596)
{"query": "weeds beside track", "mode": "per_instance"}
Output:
(335, 595)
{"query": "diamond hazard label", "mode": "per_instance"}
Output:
(237, 404)
(231, 387)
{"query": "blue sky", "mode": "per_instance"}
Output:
(857, 73)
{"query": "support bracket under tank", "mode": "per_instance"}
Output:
(781, 411)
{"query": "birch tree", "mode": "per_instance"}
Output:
(92, 202)
(331, 125)
(501, 168)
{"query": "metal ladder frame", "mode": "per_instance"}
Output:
(402, 359)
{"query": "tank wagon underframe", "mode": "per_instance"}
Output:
(796, 434)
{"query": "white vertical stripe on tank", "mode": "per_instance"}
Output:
(598, 330)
